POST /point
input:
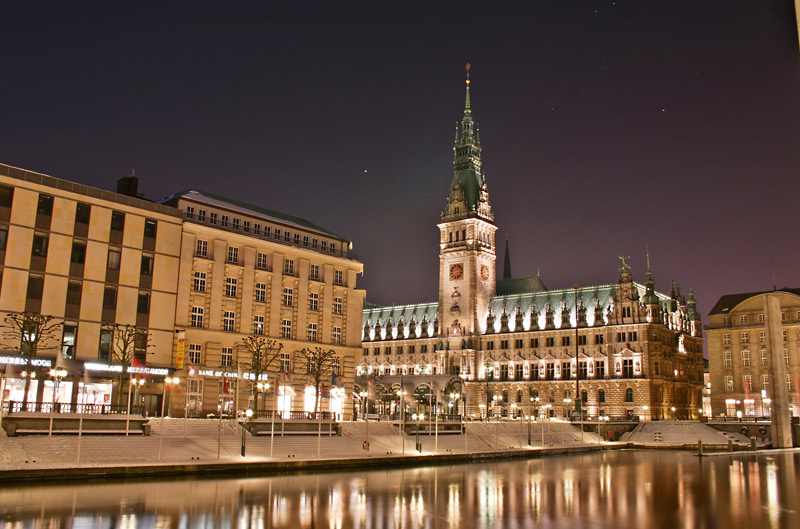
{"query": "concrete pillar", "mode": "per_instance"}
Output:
(781, 416)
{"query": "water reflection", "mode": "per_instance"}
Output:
(618, 489)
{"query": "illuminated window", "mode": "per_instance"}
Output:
(288, 267)
(261, 261)
(286, 328)
(230, 287)
(258, 325)
(233, 254)
(312, 332)
(288, 297)
(313, 301)
(228, 321)
(195, 353)
(261, 292)
(201, 249)
(337, 335)
(337, 305)
(227, 357)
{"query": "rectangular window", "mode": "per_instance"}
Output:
(150, 228)
(227, 357)
(78, 254)
(82, 213)
(74, 293)
(314, 272)
(246, 226)
(277, 234)
(784, 336)
(333, 247)
(565, 340)
(338, 277)
(201, 249)
(228, 321)
(261, 261)
(197, 317)
(224, 221)
(582, 340)
(261, 292)
(550, 342)
(231, 284)
(199, 284)
(288, 297)
(745, 337)
(519, 343)
(760, 318)
(195, 353)
(143, 303)
(146, 268)
(110, 298)
(69, 338)
(117, 221)
(424, 348)
(105, 344)
(324, 246)
(257, 229)
(305, 241)
(313, 301)
(726, 339)
(747, 383)
(45, 206)
(286, 328)
(114, 256)
(786, 356)
(287, 237)
(627, 368)
(337, 305)
(201, 215)
(765, 382)
(258, 325)
(213, 218)
(189, 212)
(599, 338)
(233, 254)
(729, 384)
(314, 244)
(312, 332)
(288, 267)
(783, 316)
(285, 362)
(743, 318)
(297, 239)
(601, 369)
(762, 337)
(235, 223)
(745, 358)
(534, 342)
(727, 359)
(763, 357)
(39, 248)
(3, 237)
(337, 335)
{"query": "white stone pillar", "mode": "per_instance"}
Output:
(781, 416)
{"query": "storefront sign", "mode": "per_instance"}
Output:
(93, 366)
(228, 374)
(19, 361)
(180, 350)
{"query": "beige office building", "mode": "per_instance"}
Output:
(91, 259)
(739, 353)
(245, 271)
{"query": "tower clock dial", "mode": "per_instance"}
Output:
(457, 271)
(485, 272)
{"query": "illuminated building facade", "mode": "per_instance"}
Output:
(514, 348)
(739, 356)
(248, 271)
(91, 259)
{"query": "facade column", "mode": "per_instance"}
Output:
(781, 415)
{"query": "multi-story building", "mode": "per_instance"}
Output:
(90, 259)
(740, 353)
(511, 347)
(245, 271)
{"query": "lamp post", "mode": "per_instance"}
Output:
(168, 381)
(566, 407)
(247, 415)
(401, 398)
(418, 417)
(138, 383)
(645, 409)
(578, 400)
(32, 376)
(57, 375)
(602, 419)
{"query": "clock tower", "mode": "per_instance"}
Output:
(466, 241)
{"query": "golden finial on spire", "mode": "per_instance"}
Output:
(468, 67)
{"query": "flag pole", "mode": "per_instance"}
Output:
(128, 411)
(3, 394)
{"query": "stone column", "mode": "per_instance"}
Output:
(781, 416)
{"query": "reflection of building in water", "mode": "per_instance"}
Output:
(512, 347)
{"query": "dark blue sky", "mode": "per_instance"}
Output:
(607, 126)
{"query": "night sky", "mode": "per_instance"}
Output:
(607, 126)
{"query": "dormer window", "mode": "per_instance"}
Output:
(457, 210)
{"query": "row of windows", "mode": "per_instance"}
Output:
(727, 358)
(229, 325)
(744, 337)
(534, 343)
(744, 318)
(75, 292)
(289, 269)
(747, 383)
(226, 359)
(258, 230)
(501, 398)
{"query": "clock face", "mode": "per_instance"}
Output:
(457, 271)
(485, 272)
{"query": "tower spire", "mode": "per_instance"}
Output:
(650, 297)
(467, 122)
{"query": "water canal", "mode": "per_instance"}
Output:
(622, 489)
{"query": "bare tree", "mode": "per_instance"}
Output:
(28, 333)
(262, 355)
(320, 363)
(126, 341)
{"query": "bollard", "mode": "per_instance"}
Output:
(730, 444)
(753, 445)
(700, 447)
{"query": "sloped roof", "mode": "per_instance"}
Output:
(728, 302)
(520, 285)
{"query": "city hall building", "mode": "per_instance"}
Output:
(511, 347)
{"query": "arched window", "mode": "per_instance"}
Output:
(629, 395)
(601, 395)
(584, 396)
(464, 235)
(505, 395)
(519, 395)
(451, 236)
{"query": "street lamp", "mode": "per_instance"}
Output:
(418, 417)
(363, 395)
(57, 375)
(168, 381)
(138, 383)
(248, 414)
(566, 406)
(645, 408)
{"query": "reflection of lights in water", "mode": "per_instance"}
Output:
(280, 510)
(569, 491)
(127, 521)
(335, 507)
(359, 507)
(490, 496)
(773, 504)
(161, 522)
(305, 509)
(535, 498)
(454, 504)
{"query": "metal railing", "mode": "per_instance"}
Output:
(68, 407)
(293, 415)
